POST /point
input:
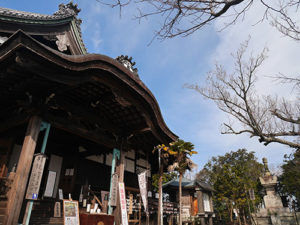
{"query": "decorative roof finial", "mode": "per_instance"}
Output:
(69, 9)
(128, 63)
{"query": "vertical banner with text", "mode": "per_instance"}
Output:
(123, 204)
(142, 177)
(36, 177)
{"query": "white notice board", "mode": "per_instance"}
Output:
(50, 184)
(71, 212)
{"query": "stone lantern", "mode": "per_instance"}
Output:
(274, 213)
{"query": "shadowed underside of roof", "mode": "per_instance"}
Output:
(93, 94)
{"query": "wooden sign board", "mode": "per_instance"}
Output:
(114, 190)
(57, 209)
(60, 194)
(71, 212)
(130, 204)
(36, 177)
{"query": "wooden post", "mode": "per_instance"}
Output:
(140, 210)
(160, 193)
(19, 184)
(200, 202)
(120, 171)
(116, 155)
(200, 207)
(122, 166)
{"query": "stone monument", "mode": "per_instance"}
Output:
(274, 213)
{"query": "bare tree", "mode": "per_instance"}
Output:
(271, 119)
(184, 17)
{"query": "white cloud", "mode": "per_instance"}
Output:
(283, 51)
(96, 37)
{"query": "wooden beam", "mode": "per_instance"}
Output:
(13, 122)
(82, 132)
(19, 184)
(140, 131)
(89, 116)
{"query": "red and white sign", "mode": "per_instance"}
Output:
(123, 204)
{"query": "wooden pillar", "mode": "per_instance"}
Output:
(200, 202)
(19, 184)
(210, 220)
(120, 171)
(211, 203)
(200, 207)
(160, 193)
(122, 166)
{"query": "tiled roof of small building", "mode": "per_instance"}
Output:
(187, 183)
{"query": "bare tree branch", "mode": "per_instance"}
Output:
(269, 119)
(184, 17)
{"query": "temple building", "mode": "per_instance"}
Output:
(197, 201)
(70, 122)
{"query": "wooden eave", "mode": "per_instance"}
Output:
(94, 95)
(45, 26)
(33, 20)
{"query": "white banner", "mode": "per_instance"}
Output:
(123, 204)
(142, 177)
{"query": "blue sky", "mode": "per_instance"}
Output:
(165, 66)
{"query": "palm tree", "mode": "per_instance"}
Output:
(163, 154)
(181, 151)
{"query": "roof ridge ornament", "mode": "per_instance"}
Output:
(68, 9)
(128, 63)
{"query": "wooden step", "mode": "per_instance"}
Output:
(2, 211)
(50, 221)
(2, 219)
(3, 204)
(42, 214)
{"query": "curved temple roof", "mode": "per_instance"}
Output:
(67, 14)
(95, 90)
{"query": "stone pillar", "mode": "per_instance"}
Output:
(210, 220)
(19, 185)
